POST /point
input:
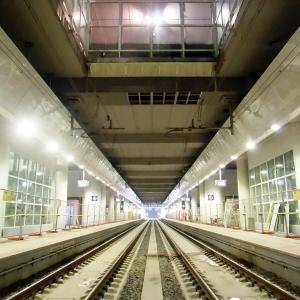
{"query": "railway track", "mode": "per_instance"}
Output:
(42, 288)
(188, 268)
(244, 275)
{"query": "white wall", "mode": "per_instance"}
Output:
(215, 208)
(94, 212)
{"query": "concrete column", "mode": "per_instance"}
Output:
(61, 196)
(118, 212)
(126, 209)
(103, 204)
(4, 169)
(245, 203)
(202, 201)
(112, 207)
(194, 196)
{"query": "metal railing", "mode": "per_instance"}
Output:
(253, 214)
(21, 214)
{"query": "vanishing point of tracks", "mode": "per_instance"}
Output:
(188, 269)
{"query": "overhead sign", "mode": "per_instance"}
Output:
(221, 182)
(210, 197)
(83, 183)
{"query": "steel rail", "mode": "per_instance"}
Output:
(252, 276)
(53, 276)
(100, 287)
(209, 293)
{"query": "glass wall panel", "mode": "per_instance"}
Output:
(167, 37)
(104, 38)
(274, 182)
(135, 38)
(32, 187)
(289, 162)
(197, 14)
(279, 166)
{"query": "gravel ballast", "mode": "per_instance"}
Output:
(134, 283)
(170, 285)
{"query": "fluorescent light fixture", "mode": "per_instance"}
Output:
(24, 167)
(263, 172)
(279, 165)
(26, 129)
(52, 146)
(221, 166)
(252, 176)
(233, 157)
(83, 183)
(39, 173)
(97, 177)
(69, 157)
(81, 167)
(148, 20)
(275, 127)
(91, 173)
(250, 145)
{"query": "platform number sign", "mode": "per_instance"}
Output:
(211, 197)
(94, 198)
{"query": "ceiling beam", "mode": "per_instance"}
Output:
(154, 186)
(143, 138)
(147, 84)
(121, 161)
(132, 174)
(150, 189)
(152, 181)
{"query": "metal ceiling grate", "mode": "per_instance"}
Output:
(159, 98)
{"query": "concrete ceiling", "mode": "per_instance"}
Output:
(149, 158)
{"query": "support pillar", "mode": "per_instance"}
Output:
(4, 169)
(245, 203)
(112, 208)
(61, 194)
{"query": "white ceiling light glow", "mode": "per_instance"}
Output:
(52, 146)
(233, 157)
(275, 127)
(221, 166)
(171, 13)
(157, 20)
(69, 157)
(250, 145)
(26, 129)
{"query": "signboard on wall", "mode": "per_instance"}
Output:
(7, 196)
(296, 195)
(210, 197)
(94, 198)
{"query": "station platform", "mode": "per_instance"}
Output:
(272, 253)
(21, 259)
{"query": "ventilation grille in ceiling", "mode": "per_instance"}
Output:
(163, 98)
